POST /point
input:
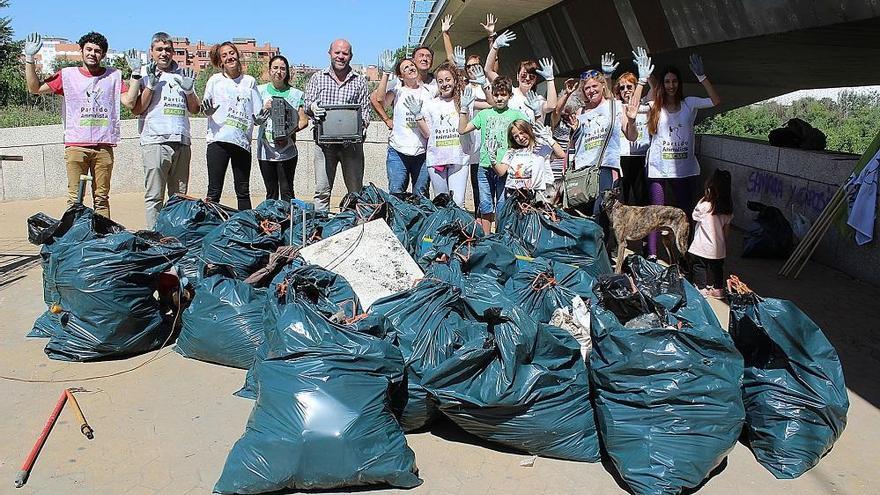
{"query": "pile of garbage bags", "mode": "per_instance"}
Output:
(522, 337)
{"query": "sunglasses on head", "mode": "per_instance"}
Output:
(590, 74)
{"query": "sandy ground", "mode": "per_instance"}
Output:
(168, 426)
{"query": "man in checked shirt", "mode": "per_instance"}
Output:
(338, 84)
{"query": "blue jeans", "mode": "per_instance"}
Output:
(491, 190)
(401, 168)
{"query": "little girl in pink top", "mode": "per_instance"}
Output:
(712, 215)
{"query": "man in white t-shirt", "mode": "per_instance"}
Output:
(166, 100)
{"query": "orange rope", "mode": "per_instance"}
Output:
(281, 289)
(269, 226)
(543, 281)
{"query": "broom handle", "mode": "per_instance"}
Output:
(28, 464)
(825, 227)
(830, 210)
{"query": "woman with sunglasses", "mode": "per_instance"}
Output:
(634, 186)
(671, 159)
(524, 97)
(405, 162)
(277, 147)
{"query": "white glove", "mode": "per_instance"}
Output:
(386, 62)
(134, 61)
(697, 68)
(208, 107)
(492, 150)
(32, 45)
(152, 76)
(543, 133)
(446, 24)
(608, 65)
(503, 39)
(546, 70)
(533, 101)
(317, 111)
(262, 117)
(479, 76)
(187, 80)
(466, 99)
(414, 105)
(643, 64)
(459, 57)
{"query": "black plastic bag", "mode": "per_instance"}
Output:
(667, 397)
(189, 220)
(224, 322)
(542, 286)
(793, 386)
(105, 291)
(244, 242)
(322, 418)
(430, 322)
(522, 385)
(770, 235)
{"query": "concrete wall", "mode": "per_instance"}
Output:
(42, 174)
(792, 180)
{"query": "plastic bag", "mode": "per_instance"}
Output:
(244, 242)
(189, 220)
(667, 397)
(463, 249)
(322, 417)
(430, 322)
(793, 386)
(224, 322)
(521, 385)
(542, 286)
(105, 291)
(770, 235)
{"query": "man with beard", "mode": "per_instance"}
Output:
(92, 95)
(166, 100)
(338, 84)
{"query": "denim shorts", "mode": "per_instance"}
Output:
(491, 190)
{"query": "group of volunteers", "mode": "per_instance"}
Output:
(462, 123)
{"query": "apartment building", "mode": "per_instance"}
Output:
(195, 54)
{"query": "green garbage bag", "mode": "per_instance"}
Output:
(189, 220)
(430, 322)
(463, 248)
(322, 418)
(522, 385)
(666, 393)
(542, 286)
(244, 242)
(793, 386)
(224, 322)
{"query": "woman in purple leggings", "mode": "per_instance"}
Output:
(671, 160)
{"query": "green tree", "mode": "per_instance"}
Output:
(255, 69)
(121, 64)
(62, 62)
(202, 79)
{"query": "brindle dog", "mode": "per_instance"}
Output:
(634, 223)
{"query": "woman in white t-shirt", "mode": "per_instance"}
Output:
(233, 105)
(527, 160)
(405, 162)
(634, 186)
(671, 159)
(437, 118)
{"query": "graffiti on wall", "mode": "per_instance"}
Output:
(810, 198)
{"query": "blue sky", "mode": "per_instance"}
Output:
(303, 29)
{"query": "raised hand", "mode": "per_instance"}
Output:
(187, 80)
(32, 45)
(414, 106)
(446, 24)
(504, 39)
(571, 85)
(459, 57)
(152, 75)
(546, 70)
(262, 117)
(467, 98)
(643, 64)
(608, 65)
(208, 107)
(317, 110)
(489, 26)
(533, 101)
(386, 61)
(134, 61)
(478, 76)
(543, 132)
(697, 68)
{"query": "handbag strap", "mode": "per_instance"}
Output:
(608, 135)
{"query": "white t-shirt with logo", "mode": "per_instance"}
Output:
(594, 125)
(166, 119)
(238, 100)
(445, 145)
(528, 168)
(671, 153)
(405, 135)
(518, 101)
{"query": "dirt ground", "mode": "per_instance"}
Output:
(167, 427)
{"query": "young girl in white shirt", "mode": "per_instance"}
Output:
(709, 248)
(527, 161)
